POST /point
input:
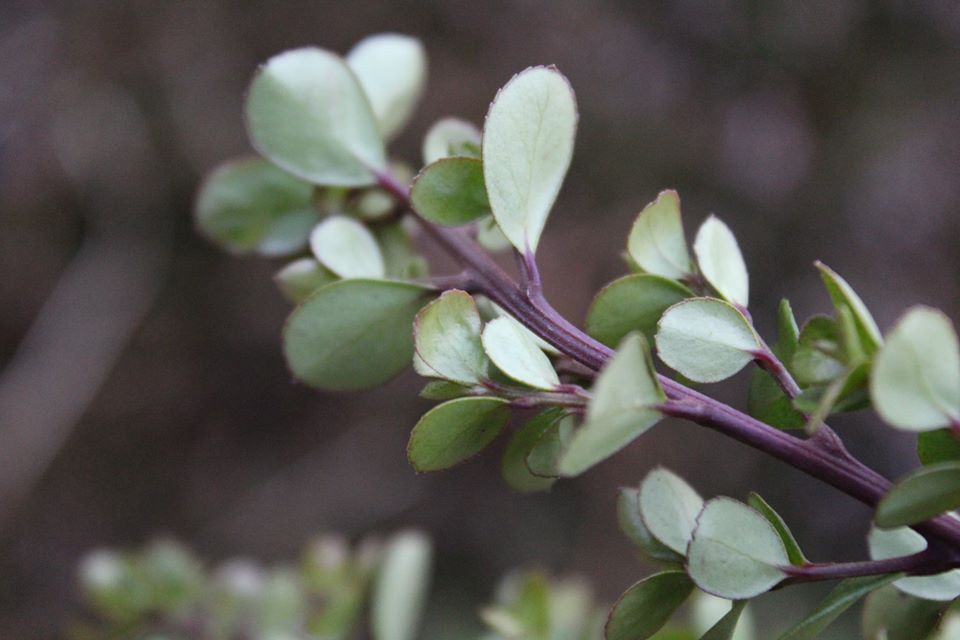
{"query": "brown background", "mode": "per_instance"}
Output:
(151, 397)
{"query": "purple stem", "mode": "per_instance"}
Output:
(923, 563)
(823, 458)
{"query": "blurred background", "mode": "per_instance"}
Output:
(143, 390)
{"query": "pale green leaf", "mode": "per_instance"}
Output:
(544, 458)
(543, 344)
(893, 543)
(450, 191)
(924, 494)
(441, 389)
(707, 611)
(307, 113)
(455, 431)
(735, 553)
(392, 69)
(669, 508)
(400, 592)
(646, 606)
(633, 526)
(347, 248)
(721, 262)
(656, 242)
(514, 464)
(517, 355)
(447, 338)
(490, 237)
(249, 205)
(400, 257)
(706, 339)
(632, 303)
(786, 536)
(451, 137)
(841, 293)
(302, 277)
(527, 146)
(889, 614)
(353, 334)
(840, 598)
(624, 394)
(915, 383)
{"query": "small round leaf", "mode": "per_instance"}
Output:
(633, 526)
(735, 553)
(249, 205)
(517, 355)
(353, 334)
(893, 543)
(656, 242)
(842, 294)
(306, 112)
(454, 431)
(925, 493)
(514, 464)
(721, 262)
(705, 339)
(392, 69)
(669, 508)
(646, 606)
(451, 137)
(347, 248)
(450, 191)
(632, 303)
(447, 339)
(527, 146)
(302, 277)
(915, 383)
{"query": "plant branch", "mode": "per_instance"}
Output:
(924, 563)
(834, 467)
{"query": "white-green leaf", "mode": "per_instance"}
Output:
(894, 543)
(307, 113)
(669, 508)
(625, 392)
(632, 525)
(347, 248)
(543, 344)
(353, 334)
(518, 356)
(706, 339)
(490, 237)
(656, 242)
(447, 337)
(735, 553)
(451, 137)
(915, 383)
(721, 262)
(249, 205)
(841, 293)
(527, 146)
(392, 69)
(302, 277)
(513, 466)
(400, 592)
(924, 494)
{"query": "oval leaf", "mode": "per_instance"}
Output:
(306, 112)
(353, 334)
(669, 508)
(633, 526)
(302, 277)
(347, 248)
(544, 458)
(392, 69)
(734, 552)
(251, 206)
(632, 303)
(705, 339)
(450, 191)
(842, 294)
(840, 598)
(517, 355)
(656, 242)
(786, 536)
(915, 383)
(447, 338)
(624, 392)
(923, 494)
(646, 606)
(454, 431)
(936, 446)
(400, 592)
(721, 262)
(893, 543)
(527, 146)
(451, 137)
(514, 464)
